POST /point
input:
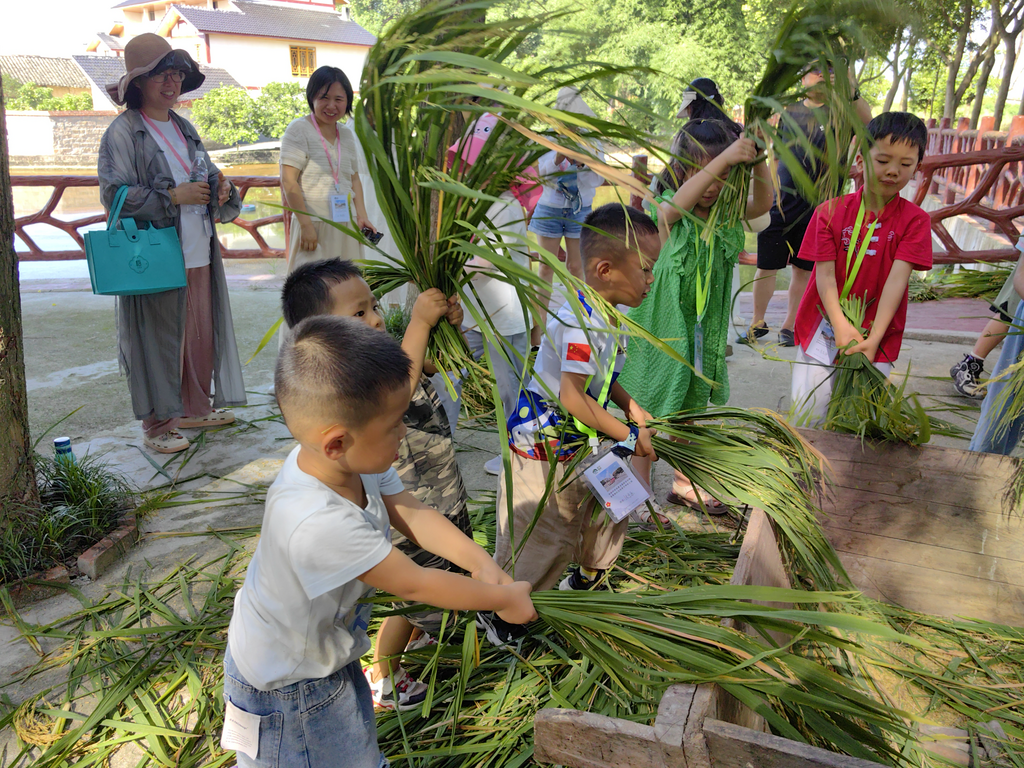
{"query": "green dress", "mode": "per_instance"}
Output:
(658, 383)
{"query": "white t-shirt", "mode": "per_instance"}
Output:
(498, 298)
(557, 179)
(595, 351)
(297, 615)
(301, 148)
(195, 239)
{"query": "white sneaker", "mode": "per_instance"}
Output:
(168, 442)
(218, 417)
(493, 467)
(410, 692)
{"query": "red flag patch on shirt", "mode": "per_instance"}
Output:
(579, 353)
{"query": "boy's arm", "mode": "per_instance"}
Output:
(828, 291)
(629, 406)
(429, 308)
(893, 291)
(432, 531)
(400, 576)
(580, 405)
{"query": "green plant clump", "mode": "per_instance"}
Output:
(81, 502)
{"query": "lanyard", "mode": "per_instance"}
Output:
(703, 280)
(153, 125)
(335, 172)
(606, 387)
(852, 272)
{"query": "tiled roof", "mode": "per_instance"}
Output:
(272, 20)
(43, 70)
(103, 70)
(113, 43)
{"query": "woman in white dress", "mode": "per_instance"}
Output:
(319, 174)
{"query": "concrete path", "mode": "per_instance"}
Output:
(71, 364)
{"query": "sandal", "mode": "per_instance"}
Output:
(215, 418)
(754, 332)
(168, 442)
(643, 519)
(711, 506)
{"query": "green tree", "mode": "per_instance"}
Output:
(277, 106)
(375, 15)
(226, 115)
(29, 96)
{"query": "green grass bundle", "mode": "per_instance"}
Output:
(823, 33)
(428, 76)
(976, 283)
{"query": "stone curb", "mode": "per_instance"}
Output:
(103, 554)
(38, 586)
(964, 338)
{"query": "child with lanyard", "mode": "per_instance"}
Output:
(690, 299)
(883, 237)
(575, 376)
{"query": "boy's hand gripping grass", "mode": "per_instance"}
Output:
(519, 609)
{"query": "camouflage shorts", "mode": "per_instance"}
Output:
(429, 470)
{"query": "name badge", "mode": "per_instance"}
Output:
(823, 344)
(241, 730)
(698, 348)
(616, 486)
(207, 224)
(339, 209)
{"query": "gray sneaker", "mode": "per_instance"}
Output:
(966, 376)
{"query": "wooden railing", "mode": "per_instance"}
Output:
(72, 226)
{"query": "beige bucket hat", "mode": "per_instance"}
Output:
(146, 53)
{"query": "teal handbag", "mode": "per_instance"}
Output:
(132, 261)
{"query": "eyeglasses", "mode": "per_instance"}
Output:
(173, 74)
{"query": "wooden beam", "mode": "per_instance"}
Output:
(736, 747)
(585, 740)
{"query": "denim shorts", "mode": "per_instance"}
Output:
(558, 222)
(323, 722)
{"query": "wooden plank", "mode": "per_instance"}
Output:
(587, 740)
(932, 524)
(734, 747)
(925, 590)
(680, 721)
(922, 484)
(944, 560)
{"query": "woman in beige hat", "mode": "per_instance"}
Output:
(172, 345)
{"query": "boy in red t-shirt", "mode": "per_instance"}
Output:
(864, 244)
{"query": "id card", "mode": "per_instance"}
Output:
(339, 209)
(241, 730)
(616, 486)
(823, 344)
(698, 348)
(207, 225)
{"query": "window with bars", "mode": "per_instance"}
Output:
(303, 61)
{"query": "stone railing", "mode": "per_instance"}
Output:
(73, 226)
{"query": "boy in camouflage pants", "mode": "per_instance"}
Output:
(426, 461)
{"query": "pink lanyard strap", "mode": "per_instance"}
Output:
(186, 166)
(335, 172)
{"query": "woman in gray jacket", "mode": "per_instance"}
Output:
(174, 344)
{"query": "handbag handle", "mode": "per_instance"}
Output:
(115, 209)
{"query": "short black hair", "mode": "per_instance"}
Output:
(322, 80)
(697, 142)
(338, 369)
(900, 127)
(307, 291)
(709, 104)
(612, 230)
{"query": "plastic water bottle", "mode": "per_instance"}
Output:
(198, 173)
(62, 449)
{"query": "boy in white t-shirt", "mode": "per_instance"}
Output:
(293, 687)
(619, 245)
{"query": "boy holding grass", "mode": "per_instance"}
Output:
(864, 246)
(426, 462)
(575, 374)
(294, 692)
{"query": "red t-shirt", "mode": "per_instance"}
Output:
(903, 233)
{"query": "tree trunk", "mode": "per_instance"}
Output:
(897, 74)
(907, 80)
(979, 93)
(953, 65)
(1020, 109)
(1004, 87)
(17, 475)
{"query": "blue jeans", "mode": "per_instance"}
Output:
(558, 222)
(312, 723)
(988, 438)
